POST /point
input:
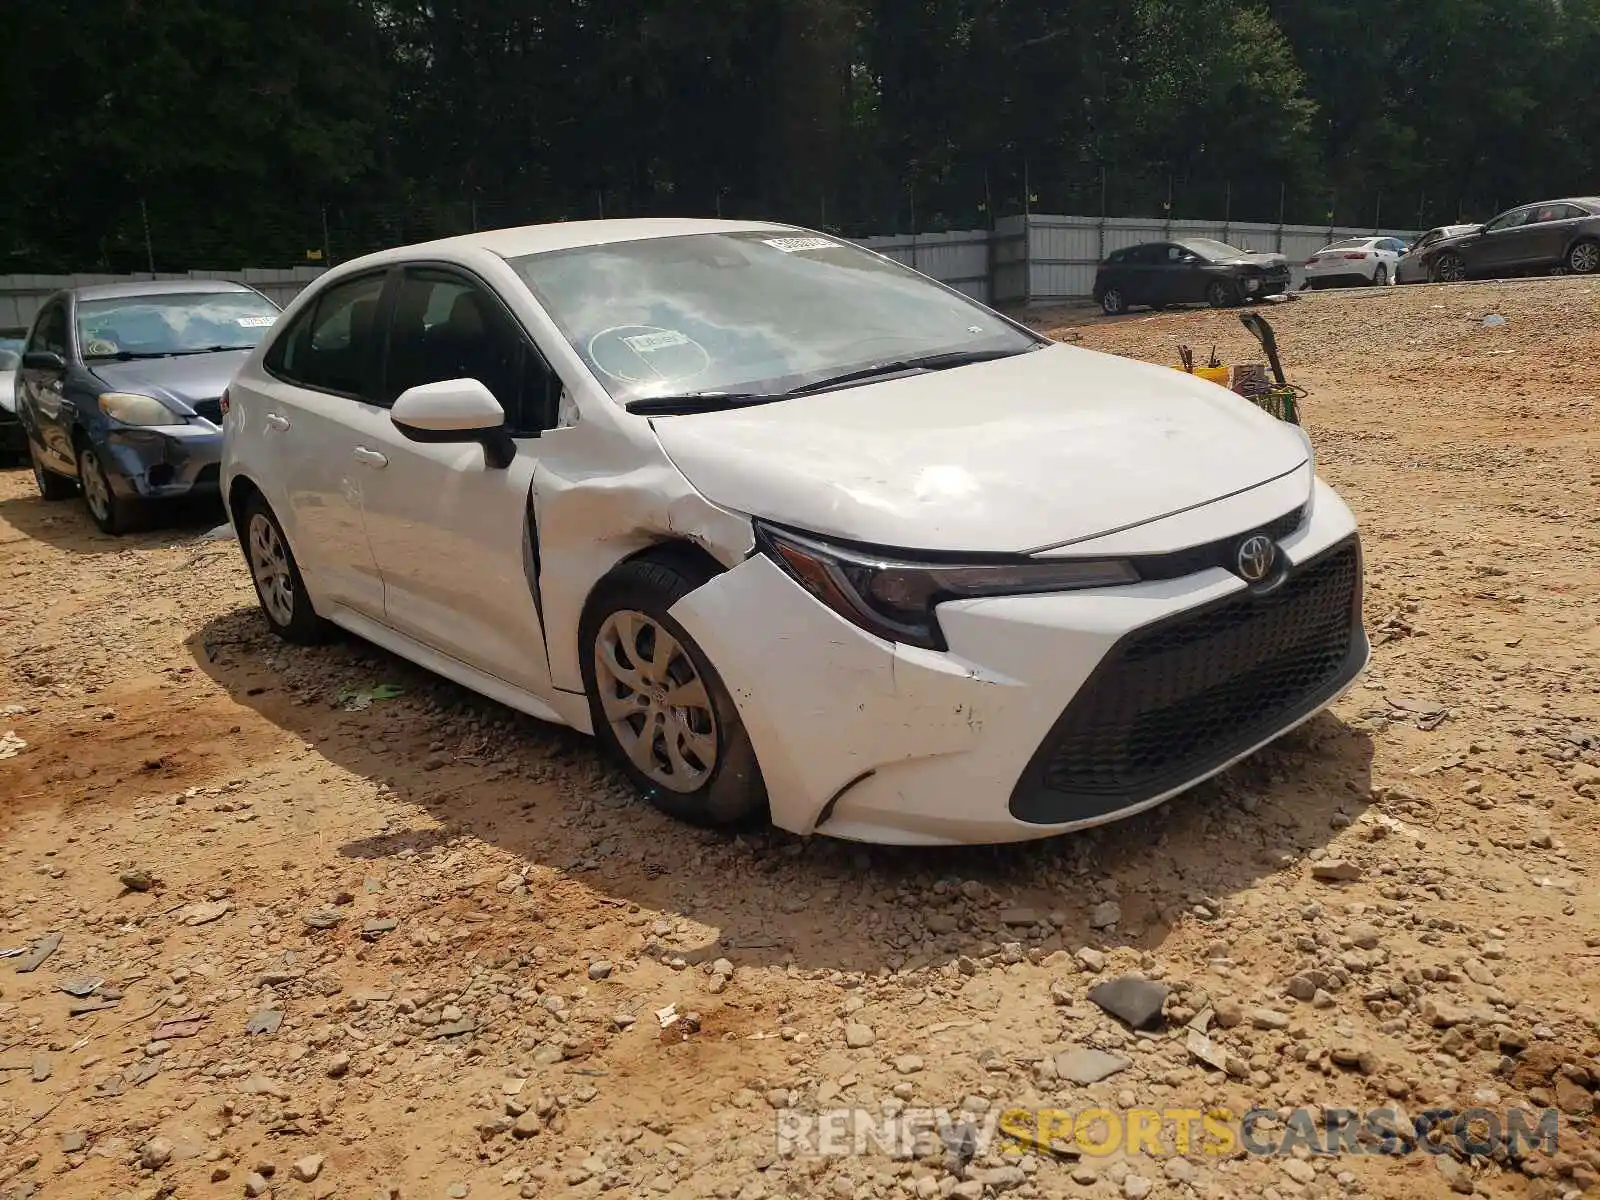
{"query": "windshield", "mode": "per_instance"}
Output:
(173, 323)
(1212, 249)
(749, 312)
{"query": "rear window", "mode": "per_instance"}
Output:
(1349, 244)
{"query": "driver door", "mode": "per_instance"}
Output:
(1506, 241)
(449, 532)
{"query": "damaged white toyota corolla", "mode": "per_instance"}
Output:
(793, 530)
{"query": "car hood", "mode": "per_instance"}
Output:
(1261, 258)
(188, 378)
(1019, 454)
(8, 391)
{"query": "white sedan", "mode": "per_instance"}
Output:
(1357, 262)
(796, 532)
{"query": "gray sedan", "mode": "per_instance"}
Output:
(119, 390)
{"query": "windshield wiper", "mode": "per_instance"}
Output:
(212, 350)
(699, 402)
(927, 362)
(129, 355)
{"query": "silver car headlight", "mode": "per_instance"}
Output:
(133, 409)
(895, 598)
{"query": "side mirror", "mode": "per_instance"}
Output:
(456, 410)
(44, 360)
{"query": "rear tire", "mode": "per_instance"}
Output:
(280, 590)
(1584, 258)
(51, 485)
(1113, 303)
(692, 759)
(1380, 277)
(112, 513)
(1221, 294)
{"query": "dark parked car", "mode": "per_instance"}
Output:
(1551, 236)
(1190, 271)
(120, 388)
(12, 445)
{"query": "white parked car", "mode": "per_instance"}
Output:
(1355, 262)
(793, 530)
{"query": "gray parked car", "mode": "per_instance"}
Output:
(119, 390)
(1551, 236)
(11, 443)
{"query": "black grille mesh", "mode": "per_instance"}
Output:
(211, 410)
(1172, 701)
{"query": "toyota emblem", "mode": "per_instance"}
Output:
(1256, 557)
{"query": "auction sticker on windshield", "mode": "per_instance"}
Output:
(256, 322)
(793, 244)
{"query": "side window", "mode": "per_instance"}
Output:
(50, 330)
(1511, 220)
(332, 345)
(447, 327)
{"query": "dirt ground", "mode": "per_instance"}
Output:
(328, 946)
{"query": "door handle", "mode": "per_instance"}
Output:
(277, 421)
(369, 458)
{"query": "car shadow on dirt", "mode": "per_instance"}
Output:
(545, 795)
(65, 524)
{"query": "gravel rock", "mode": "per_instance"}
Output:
(1136, 1001)
(858, 1036)
(1085, 1065)
(600, 970)
(1105, 915)
(1335, 870)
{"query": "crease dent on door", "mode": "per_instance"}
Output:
(591, 519)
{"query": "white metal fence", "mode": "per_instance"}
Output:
(1026, 259)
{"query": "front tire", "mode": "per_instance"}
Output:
(1449, 268)
(1221, 294)
(658, 705)
(51, 486)
(1584, 258)
(112, 513)
(280, 590)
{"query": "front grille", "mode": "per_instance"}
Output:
(1219, 553)
(211, 410)
(209, 475)
(1178, 699)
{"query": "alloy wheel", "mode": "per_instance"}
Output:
(1112, 301)
(1585, 258)
(1452, 268)
(96, 488)
(269, 565)
(655, 701)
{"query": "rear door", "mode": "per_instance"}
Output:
(1550, 231)
(313, 403)
(42, 392)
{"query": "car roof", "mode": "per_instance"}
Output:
(568, 235)
(155, 287)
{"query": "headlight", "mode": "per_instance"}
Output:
(895, 598)
(133, 409)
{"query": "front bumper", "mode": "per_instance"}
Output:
(166, 463)
(1256, 286)
(1048, 713)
